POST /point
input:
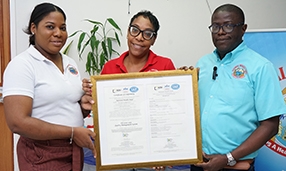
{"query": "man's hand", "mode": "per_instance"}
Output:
(214, 162)
(186, 68)
(189, 68)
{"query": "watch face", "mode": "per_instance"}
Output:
(232, 163)
(230, 160)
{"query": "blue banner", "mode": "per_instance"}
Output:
(272, 45)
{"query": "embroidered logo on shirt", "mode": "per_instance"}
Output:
(73, 70)
(239, 71)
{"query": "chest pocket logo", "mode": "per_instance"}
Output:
(239, 71)
(73, 70)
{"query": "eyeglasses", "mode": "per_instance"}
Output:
(228, 28)
(147, 34)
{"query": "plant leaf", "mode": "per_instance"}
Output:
(102, 60)
(94, 22)
(81, 38)
(109, 46)
(96, 44)
(94, 65)
(113, 23)
(117, 39)
(94, 30)
(92, 43)
(114, 51)
(88, 63)
(103, 46)
(84, 46)
(66, 50)
(75, 33)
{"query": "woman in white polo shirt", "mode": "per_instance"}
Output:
(43, 99)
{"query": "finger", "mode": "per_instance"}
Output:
(191, 67)
(92, 135)
(87, 99)
(86, 85)
(85, 80)
(87, 91)
(91, 101)
(199, 164)
(93, 149)
(94, 152)
(204, 154)
(207, 156)
(90, 143)
(183, 68)
(158, 168)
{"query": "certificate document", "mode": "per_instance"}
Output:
(146, 119)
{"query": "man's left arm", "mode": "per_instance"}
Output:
(267, 129)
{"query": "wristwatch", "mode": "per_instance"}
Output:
(230, 160)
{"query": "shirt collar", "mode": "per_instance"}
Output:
(229, 57)
(151, 60)
(37, 55)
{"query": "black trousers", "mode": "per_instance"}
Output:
(194, 168)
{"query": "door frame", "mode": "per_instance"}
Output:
(4, 35)
(6, 136)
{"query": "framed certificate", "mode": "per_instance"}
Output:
(146, 119)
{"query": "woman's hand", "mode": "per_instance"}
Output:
(83, 137)
(86, 86)
(86, 100)
(159, 168)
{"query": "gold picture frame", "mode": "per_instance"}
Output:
(146, 119)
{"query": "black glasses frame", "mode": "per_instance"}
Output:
(141, 31)
(222, 26)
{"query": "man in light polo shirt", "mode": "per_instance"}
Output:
(240, 97)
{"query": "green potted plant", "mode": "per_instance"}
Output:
(97, 44)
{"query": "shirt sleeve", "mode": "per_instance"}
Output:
(268, 95)
(18, 78)
(170, 65)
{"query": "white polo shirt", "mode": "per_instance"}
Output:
(55, 94)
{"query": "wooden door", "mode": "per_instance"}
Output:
(6, 137)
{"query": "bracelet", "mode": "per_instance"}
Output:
(71, 136)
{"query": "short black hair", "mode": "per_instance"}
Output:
(231, 8)
(39, 12)
(147, 14)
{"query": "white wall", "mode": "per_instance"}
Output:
(183, 36)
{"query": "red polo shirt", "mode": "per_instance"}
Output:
(154, 63)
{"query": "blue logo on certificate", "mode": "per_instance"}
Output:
(175, 86)
(133, 89)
